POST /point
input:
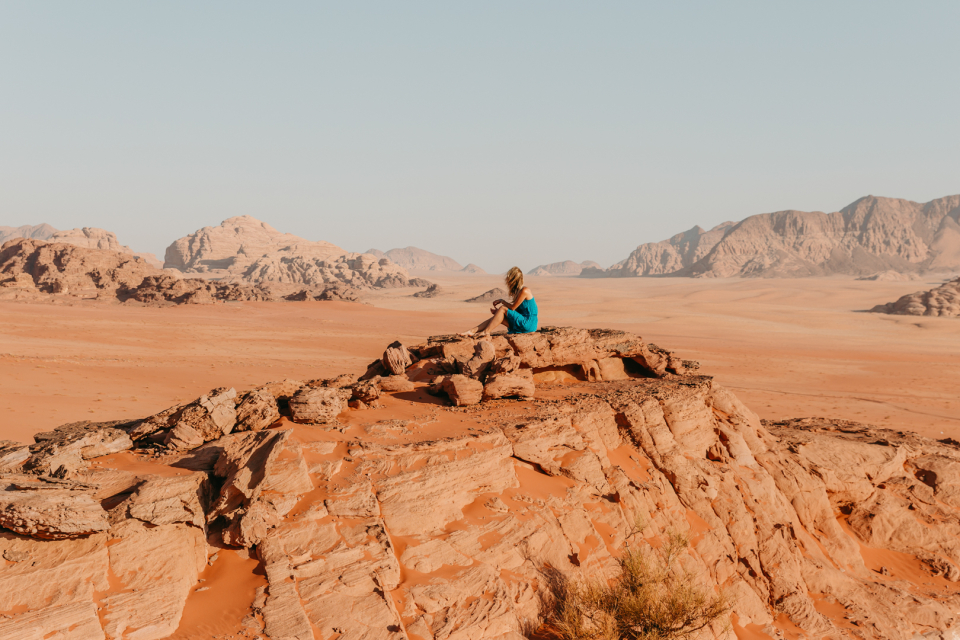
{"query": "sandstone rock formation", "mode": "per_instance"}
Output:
(244, 250)
(870, 235)
(66, 448)
(432, 291)
(163, 288)
(39, 267)
(86, 237)
(63, 268)
(565, 268)
(237, 241)
(415, 520)
(942, 301)
(341, 292)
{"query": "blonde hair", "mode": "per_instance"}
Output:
(514, 280)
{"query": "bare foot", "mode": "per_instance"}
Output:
(467, 334)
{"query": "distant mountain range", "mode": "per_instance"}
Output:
(565, 268)
(416, 259)
(872, 238)
(869, 236)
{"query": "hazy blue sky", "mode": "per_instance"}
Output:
(494, 132)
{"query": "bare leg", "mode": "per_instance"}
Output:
(494, 322)
(485, 327)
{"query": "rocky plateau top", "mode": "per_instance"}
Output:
(427, 498)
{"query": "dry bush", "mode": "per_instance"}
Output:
(651, 599)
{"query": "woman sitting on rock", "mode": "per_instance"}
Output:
(520, 316)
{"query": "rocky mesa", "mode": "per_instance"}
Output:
(245, 250)
(432, 496)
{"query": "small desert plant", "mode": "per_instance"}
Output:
(651, 599)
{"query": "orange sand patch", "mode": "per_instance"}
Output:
(787, 348)
(127, 461)
(218, 604)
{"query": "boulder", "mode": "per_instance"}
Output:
(518, 384)
(461, 390)
(316, 405)
(208, 418)
(396, 359)
(392, 384)
(256, 410)
(365, 394)
(483, 355)
(507, 363)
(66, 448)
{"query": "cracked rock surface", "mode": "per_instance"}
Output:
(418, 517)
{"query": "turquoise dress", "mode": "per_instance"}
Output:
(523, 319)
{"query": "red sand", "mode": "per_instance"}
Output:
(788, 348)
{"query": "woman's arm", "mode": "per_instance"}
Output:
(522, 295)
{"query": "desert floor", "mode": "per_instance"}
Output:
(788, 348)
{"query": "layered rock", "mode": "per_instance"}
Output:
(50, 511)
(505, 365)
(870, 235)
(65, 449)
(444, 527)
(237, 242)
(941, 301)
(66, 269)
(244, 250)
(87, 237)
(164, 288)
